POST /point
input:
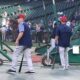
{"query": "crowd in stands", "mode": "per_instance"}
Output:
(40, 33)
(39, 30)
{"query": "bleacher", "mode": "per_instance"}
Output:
(35, 11)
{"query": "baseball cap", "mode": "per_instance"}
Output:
(63, 18)
(21, 16)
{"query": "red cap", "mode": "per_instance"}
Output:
(21, 16)
(63, 18)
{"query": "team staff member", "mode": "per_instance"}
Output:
(23, 40)
(63, 35)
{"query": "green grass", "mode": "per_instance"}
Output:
(34, 44)
(10, 43)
